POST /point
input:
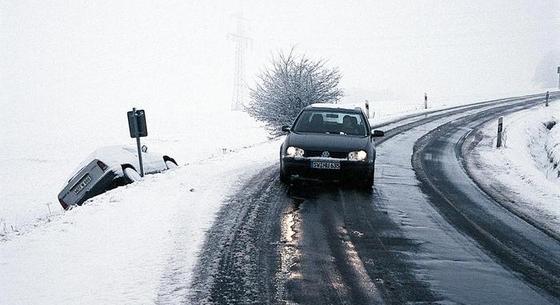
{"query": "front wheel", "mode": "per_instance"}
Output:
(368, 181)
(170, 164)
(131, 175)
(284, 178)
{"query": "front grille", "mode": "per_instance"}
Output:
(318, 153)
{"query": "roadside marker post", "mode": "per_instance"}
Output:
(137, 128)
(367, 108)
(425, 100)
(500, 128)
(546, 98)
(558, 71)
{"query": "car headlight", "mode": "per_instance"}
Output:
(357, 155)
(294, 152)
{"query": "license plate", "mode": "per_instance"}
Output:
(82, 184)
(325, 165)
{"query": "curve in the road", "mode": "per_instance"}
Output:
(511, 240)
(500, 192)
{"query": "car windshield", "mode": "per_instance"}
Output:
(331, 122)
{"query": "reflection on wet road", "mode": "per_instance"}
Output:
(331, 270)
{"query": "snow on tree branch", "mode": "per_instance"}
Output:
(288, 85)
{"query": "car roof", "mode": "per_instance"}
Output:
(346, 107)
(116, 155)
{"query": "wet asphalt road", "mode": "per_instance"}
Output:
(426, 234)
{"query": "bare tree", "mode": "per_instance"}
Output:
(289, 84)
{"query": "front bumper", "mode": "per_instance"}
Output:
(349, 170)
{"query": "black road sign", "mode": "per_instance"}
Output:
(138, 128)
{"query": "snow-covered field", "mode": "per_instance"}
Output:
(133, 245)
(526, 167)
(39, 166)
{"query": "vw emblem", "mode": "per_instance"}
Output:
(325, 154)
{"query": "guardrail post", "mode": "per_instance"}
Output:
(558, 71)
(500, 128)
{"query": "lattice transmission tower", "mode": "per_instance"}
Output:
(241, 43)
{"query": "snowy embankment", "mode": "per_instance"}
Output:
(524, 173)
(40, 164)
(552, 147)
(133, 245)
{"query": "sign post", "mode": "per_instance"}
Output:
(137, 127)
(500, 128)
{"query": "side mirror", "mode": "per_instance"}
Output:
(286, 128)
(377, 133)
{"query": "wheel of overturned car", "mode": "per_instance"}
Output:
(170, 164)
(131, 175)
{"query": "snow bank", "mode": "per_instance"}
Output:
(133, 245)
(522, 168)
(37, 167)
(552, 147)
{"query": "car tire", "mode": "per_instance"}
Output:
(131, 175)
(368, 181)
(170, 164)
(284, 178)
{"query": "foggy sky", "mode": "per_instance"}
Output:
(73, 56)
